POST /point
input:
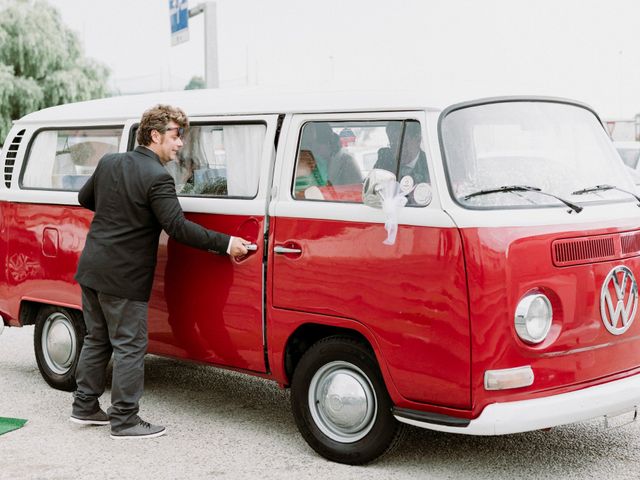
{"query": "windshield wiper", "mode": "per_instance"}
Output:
(602, 188)
(524, 188)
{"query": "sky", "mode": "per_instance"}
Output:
(453, 50)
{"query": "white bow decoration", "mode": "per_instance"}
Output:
(393, 199)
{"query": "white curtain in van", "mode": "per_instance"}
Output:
(204, 149)
(243, 151)
(39, 172)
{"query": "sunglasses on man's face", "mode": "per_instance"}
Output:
(179, 130)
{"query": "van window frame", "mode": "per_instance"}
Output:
(34, 135)
(131, 144)
(299, 133)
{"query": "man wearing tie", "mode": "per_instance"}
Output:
(404, 156)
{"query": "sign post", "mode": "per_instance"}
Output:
(179, 15)
(210, 41)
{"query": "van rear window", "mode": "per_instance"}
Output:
(64, 159)
(220, 161)
(217, 160)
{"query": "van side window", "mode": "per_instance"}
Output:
(64, 159)
(335, 157)
(219, 161)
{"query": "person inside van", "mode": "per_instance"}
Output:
(404, 156)
(134, 199)
(322, 161)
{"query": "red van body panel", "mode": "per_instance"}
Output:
(421, 370)
(411, 296)
(43, 248)
(503, 264)
(206, 307)
(219, 323)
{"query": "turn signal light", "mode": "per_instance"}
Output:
(508, 378)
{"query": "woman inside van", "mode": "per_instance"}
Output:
(322, 161)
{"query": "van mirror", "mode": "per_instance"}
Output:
(373, 187)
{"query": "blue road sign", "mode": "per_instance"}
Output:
(179, 15)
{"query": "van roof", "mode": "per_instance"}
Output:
(228, 102)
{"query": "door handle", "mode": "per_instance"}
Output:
(252, 247)
(281, 249)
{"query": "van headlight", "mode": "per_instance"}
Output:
(533, 317)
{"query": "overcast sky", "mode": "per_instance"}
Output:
(454, 50)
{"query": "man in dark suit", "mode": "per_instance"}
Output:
(134, 199)
(412, 160)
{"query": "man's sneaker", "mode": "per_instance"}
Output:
(141, 430)
(98, 418)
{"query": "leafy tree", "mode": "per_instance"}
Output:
(196, 83)
(41, 62)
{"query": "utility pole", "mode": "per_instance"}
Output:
(210, 41)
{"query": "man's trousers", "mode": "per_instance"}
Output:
(119, 326)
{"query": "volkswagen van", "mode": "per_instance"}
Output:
(492, 294)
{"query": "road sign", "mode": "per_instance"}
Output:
(179, 15)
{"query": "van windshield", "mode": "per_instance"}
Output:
(552, 148)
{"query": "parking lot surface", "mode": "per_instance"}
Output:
(227, 425)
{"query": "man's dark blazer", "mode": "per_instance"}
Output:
(387, 161)
(134, 199)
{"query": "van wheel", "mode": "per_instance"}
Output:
(57, 341)
(340, 403)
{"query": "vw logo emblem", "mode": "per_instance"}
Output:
(618, 300)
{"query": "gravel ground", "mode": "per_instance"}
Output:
(226, 425)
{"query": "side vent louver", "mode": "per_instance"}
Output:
(583, 250)
(630, 243)
(10, 157)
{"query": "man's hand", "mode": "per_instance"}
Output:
(238, 248)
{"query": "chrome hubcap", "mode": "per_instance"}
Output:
(59, 344)
(342, 402)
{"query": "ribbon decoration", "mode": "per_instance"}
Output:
(393, 199)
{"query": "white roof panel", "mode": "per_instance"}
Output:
(228, 102)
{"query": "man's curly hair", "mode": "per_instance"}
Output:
(158, 118)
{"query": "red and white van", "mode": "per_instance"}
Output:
(506, 302)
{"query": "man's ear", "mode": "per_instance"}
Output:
(156, 136)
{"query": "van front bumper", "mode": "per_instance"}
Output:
(608, 399)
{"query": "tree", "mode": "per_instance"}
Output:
(196, 83)
(41, 62)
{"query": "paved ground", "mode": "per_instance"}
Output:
(226, 425)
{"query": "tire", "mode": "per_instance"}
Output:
(354, 432)
(57, 342)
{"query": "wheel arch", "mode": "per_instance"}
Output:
(29, 308)
(307, 334)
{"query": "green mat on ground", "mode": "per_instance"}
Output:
(9, 424)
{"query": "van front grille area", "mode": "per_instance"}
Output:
(10, 157)
(600, 248)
